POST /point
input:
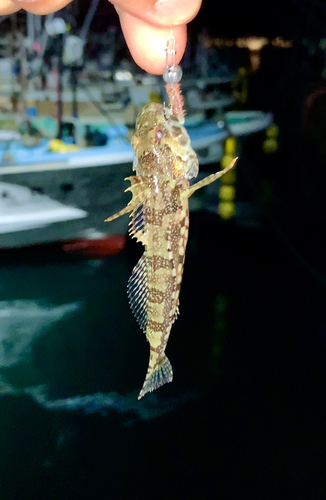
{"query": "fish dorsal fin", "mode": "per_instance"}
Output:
(137, 225)
(138, 292)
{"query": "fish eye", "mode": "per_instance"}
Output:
(159, 134)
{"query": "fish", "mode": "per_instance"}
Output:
(164, 164)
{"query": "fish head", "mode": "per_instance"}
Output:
(162, 142)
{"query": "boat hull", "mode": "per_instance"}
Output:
(97, 190)
(58, 231)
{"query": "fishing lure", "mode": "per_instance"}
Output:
(164, 163)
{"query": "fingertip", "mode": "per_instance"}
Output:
(41, 7)
(164, 13)
(147, 42)
(7, 7)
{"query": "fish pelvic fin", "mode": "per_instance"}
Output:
(155, 378)
(208, 180)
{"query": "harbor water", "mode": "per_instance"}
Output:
(243, 414)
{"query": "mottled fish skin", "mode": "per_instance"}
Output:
(164, 163)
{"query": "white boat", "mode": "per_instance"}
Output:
(28, 218)
(243, 123)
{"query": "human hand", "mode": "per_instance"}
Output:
(146, 25)
(40, 7)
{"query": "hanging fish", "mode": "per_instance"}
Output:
(164, 163)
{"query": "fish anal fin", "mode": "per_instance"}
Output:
(141, 237)
(138, 292)
(208, 180)
(162, 374)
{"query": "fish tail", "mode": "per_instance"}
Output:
(161, 374)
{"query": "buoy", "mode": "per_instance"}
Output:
(270, 144)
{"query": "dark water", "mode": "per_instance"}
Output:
(243, 416)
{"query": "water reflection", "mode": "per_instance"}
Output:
(66, 325)
(248, 354)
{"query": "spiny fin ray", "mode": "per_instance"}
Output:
(137, 225)
(138, 292)
(138, 190)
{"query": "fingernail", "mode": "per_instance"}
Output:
(178, 12)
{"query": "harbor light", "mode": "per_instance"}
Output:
(227, 192)
(226, 209)
(270, 144)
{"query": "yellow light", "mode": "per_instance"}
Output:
(229, 177)
(270, 145)
(256, 43)
(226, 160)
(272, 131)
(279, 42)
(230, 146)
(227, 193)
(226, 209)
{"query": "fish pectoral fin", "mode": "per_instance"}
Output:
(208, 180)
(124, 211)
(139, 190)
(160, 375)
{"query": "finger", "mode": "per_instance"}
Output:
(147, 43)
(40, 7)
(160, 12)
(7, 7)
